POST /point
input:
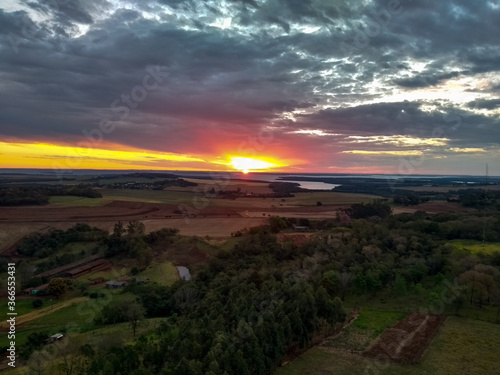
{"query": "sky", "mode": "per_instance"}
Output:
(366, 86)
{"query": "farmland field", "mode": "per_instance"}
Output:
(68, 200)
(369, 324)
(149, 196)
(190, 198)
(444, 189)
(406, 341)
(462, 346)
(10, 234)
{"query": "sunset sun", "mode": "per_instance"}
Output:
(251, 164)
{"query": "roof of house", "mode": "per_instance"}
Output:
(113, 282)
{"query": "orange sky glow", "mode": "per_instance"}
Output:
(45, 155)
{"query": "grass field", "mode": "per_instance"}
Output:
(75, 314)
(462, 346)
(25, 305)
(163, 273)
(369, 324)
(150, 196)
(475, 247)
(67, 200)
(100, 337)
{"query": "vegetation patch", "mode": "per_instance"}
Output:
(369, 324)
(475, 247)
(163, 273)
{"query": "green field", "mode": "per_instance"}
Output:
(475, 247)
(75, 317)
(100, 337)
(68, 200)
(162, 273)
(462, 346)
(24, 306)
(329, 197)
(369, 324)
(149, 196)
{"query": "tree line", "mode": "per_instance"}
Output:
(39, 195)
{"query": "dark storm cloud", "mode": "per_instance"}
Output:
(66, 12)
(86, 54)
(425, 80)
(485, 104)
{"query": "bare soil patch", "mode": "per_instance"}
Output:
(406, 341)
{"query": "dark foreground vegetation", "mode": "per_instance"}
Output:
(266, 298)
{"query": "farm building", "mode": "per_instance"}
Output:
(36, 289)
(59, 270)
(96, 265)
(97, 280)
(300, 227)
(115, 284)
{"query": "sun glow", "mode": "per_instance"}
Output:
(250, 164)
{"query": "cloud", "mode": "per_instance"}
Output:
(425, 74)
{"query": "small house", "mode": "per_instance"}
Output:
(142, 281)
(115, 284)
(54, 338)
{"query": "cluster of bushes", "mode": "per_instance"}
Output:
(410, 199)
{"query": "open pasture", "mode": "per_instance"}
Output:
(69, 200)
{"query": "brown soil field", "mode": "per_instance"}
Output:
(17, 222)
(297, 212)
(117, 210)
(406, 341)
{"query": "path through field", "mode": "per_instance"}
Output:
(25, 318)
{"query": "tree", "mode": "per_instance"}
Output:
(345, 280)
(134, 313)
(330, 282)
(118, 229)
(139, 250)
(400, 286)
(135, 229)
(277, 224)
(57, 286)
